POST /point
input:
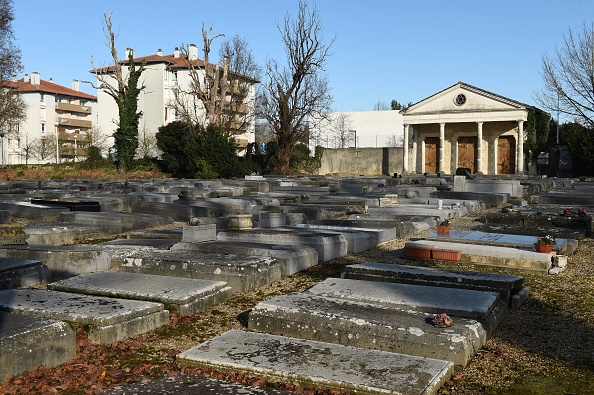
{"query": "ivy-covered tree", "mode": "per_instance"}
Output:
(124, 89)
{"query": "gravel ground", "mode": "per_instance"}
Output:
(546, 347)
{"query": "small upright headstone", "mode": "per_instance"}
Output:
(459, 183)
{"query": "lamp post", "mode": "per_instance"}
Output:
(57, 143)
(75, 148)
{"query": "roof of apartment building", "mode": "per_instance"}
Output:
(176, 60)
(36, 84)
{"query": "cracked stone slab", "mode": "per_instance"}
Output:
(319, 365)
(185, 295)
(109, 319)
(459, 302)
(368, 326)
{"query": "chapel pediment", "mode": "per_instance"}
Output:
(463, 98)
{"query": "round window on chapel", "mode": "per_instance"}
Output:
(460, 99)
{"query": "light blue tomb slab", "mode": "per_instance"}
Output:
(494, 239)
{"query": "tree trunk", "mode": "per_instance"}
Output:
(283, 157)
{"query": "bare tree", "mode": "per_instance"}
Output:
(294, 92)
(97, 139)
(12, 107)
(218, 94)
(568, 77)
(44, 148)
(381, 105)
(394, 141)
(341, 130)
(147, 142)
(243, 72)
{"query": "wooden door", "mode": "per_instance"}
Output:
(431, 154)
(467, 153)
(506, 155)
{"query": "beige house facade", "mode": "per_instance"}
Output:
(465, 127)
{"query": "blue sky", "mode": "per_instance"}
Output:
(384, 49)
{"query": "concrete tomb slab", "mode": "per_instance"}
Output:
(116, 222)
(185, 384)
(493, 255)
(357, 240)
(109, 319)
(506, 285)
(459, 302)
(241, 273)
(495, 239)
(319, 365)
(328, 245)
(181, 295)
(17, 272)
(292, 259)
(27, 342)
(368, 326)
(62, 261)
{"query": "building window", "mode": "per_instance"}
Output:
(460, 99)
(43, 128)
(41, 97)
(174, 75)
(165, 72)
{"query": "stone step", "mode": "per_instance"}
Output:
(181, 295)
(17, 272)
(27, 342)
(494, 256)
(319, 365)
(506, 285)
(241, 273)
(368, 326)
(328, 245)
(108, 319)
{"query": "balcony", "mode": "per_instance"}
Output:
(73, 108)
(75, 123)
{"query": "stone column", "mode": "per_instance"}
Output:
(520, 159)
(415, 147)
(405, 150)
(479, 150)
(441, 147)
(454, 154)
(495, 152)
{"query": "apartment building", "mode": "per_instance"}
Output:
(58, 123)
(164, 75)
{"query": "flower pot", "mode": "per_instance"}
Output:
(240, 221)
(446, 255)
(417, 252)
(443, 229)
(546, 248)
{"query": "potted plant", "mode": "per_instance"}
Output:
(545, 244)
(443, 228)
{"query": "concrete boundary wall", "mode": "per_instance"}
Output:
(362, 161)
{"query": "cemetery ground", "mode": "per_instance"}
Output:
(545, 347)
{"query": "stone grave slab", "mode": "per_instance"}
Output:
(506, 285)
(109, 319)
(185, 384)
(27, 342)
(241, 273)
(464, 303)
(292, 259)
(495, 239)
(116, 222)
(328, 245)
(368, 326)
(319, 365)
(380, 229)
(17, 273)
(62, 261)
(493, 255)
(377, 235)
(181, 295)
(357, 240)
